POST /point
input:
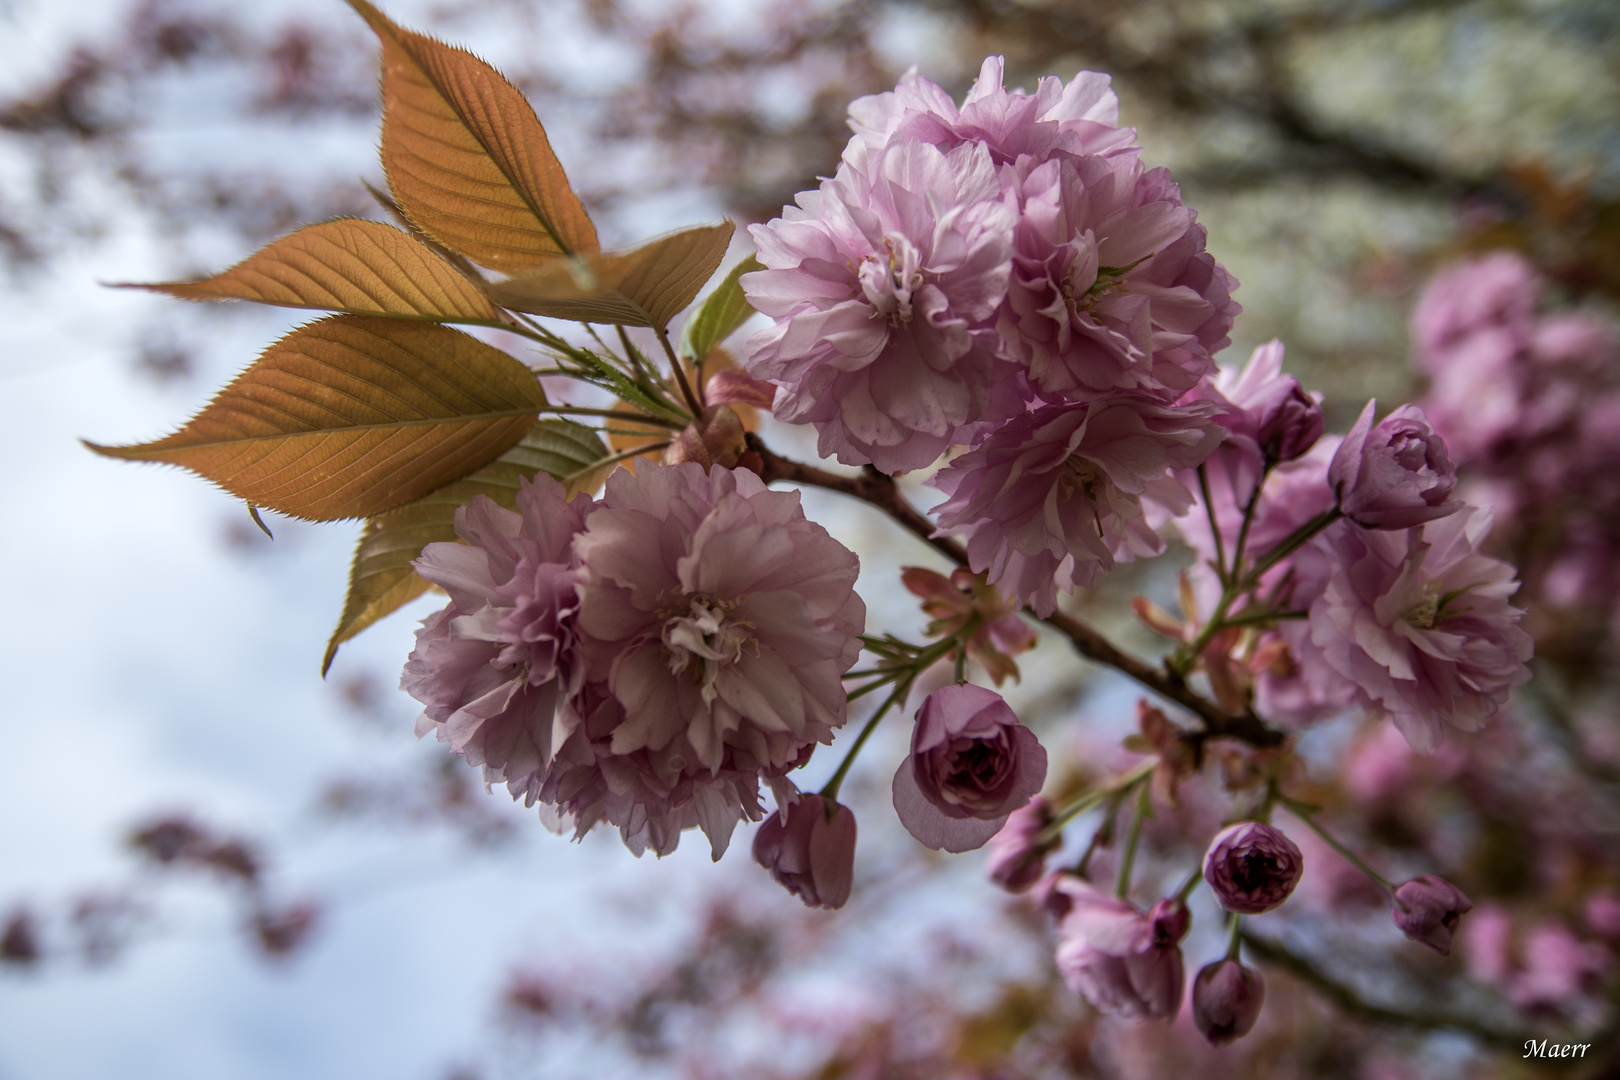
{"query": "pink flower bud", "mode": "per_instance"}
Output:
(1016, 858)
(1252, 867)
(972, 763)
(1226, 1001)
(1122, 961)
(1428, 909)
(811, 854)
(1394, 475)
(1288, 421)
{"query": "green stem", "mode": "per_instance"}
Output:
(1260, 618)
(1238, 549)
(1294, 541)
(1214, 526)
(1127, 862)
(1190, 884)
(614, 414)
(614, 459)
(1234, 939)
(1118, 788)
(1304, 813)
(692, 400)
(830, 791)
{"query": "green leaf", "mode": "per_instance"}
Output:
(353, 415)
(721, 312)
(646, 286)
(381, 580)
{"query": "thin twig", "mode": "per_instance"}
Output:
(881, 491)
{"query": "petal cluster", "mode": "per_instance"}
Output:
(965, 262)
(643, 660)
(971, 765)
(1054, 498)
(1125, 963)
(1418, 625)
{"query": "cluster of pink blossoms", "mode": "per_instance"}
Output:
(1530, 403)
(1009, 277)
(644, 659)
(1388, 604)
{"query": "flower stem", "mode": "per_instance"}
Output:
(1234, 938)
(692, 400)
(1082, 803)
(1214, 526)
(1127, 862)
(830, 791)
(1190, 884)
(1305, 814)
(1293, 542)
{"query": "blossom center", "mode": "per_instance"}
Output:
(890, 283)
(1424, 612)
(705, 640)
(1082, 474)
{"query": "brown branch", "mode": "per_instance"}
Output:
(1349, 1001)
(881, 491)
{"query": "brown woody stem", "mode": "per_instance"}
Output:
(881, 491)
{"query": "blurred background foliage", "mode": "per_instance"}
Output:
(1339, 151)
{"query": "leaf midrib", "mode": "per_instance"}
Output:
(392, 425)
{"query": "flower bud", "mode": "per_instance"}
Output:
(971, 764)
(1016, 858)
(1428, 909)
(809, 852)
(1288, 421)
(1394, 475)
(1226, 1001)
(1252, 867)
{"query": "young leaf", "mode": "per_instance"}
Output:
(351, 416)
(382, 580)
(466, 157)
(721, 312)
(355, 266)
(646, 286)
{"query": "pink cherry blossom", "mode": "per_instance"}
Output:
(1080, 118)
(1252, 867)
(496, 669)
(722, 621)
(1395, 474)
(809, 847)
(971, 765)
(1496, 292)
(884, 285)
(1053, 498)
(1419, 626)
(1111, 287)
(1125, 963)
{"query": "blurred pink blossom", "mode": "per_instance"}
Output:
(1015, 858)
(1125, 963)
(1427, 909)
